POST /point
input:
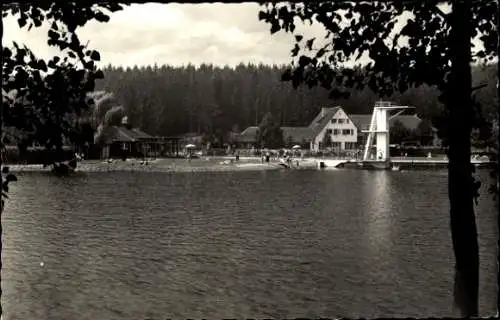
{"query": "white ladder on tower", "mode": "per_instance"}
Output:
(369, 139)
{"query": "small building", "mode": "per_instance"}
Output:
(124, 141)
(247, 138)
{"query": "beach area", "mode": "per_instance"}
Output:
(229, 163)
(205, 164)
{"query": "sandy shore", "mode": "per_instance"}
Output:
(154, 166)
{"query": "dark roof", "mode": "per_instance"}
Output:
(362, 121)
(123, 134)
(139, 134)
(190, 135)
(248, 135)
(298, 134)
(321, 120)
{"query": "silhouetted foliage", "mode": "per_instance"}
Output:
(399, 133)
(326, 142)
(432, 47)
(42, 101)
(269, 133)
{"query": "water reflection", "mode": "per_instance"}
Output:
(378, 193)
(275, 244)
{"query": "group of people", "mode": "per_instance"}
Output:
(286, 159)
(289, 161)
(265, 157)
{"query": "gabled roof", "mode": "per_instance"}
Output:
(123, 134)
(361, 120)
(190, 135)
(321, 120)
(248, 135)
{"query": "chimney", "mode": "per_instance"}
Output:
(125, 121)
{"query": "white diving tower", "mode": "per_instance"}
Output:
(379, 129)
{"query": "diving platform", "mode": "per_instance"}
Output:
(379, 132)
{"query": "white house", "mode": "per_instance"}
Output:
(329, 121)
(333, 122)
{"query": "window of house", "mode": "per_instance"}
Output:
(352, 132)
(334, 120)
(346, 131)
(346, 120)
(336, 131)
(341, 121)
(328, 131)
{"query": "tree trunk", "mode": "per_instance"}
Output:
(1, 178)
(460, 181)
(497, 166)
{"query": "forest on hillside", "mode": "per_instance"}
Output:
(167, 100)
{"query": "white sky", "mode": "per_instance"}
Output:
(177, 34)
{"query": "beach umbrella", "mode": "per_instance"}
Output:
(296, 146)
(190, 146)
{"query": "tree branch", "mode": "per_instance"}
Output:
(479, 87)
(441, 13)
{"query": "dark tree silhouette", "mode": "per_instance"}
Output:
(42, 100)
(269, 133)
(433, 47)
(326, 142)
(399, 133)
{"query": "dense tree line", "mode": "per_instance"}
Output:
(166, 100)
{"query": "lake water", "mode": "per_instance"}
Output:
(343, 243)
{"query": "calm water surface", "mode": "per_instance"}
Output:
(235, 244)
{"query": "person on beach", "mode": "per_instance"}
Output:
(268, 156)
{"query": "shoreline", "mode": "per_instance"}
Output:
(221, 164)
(119, 166)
